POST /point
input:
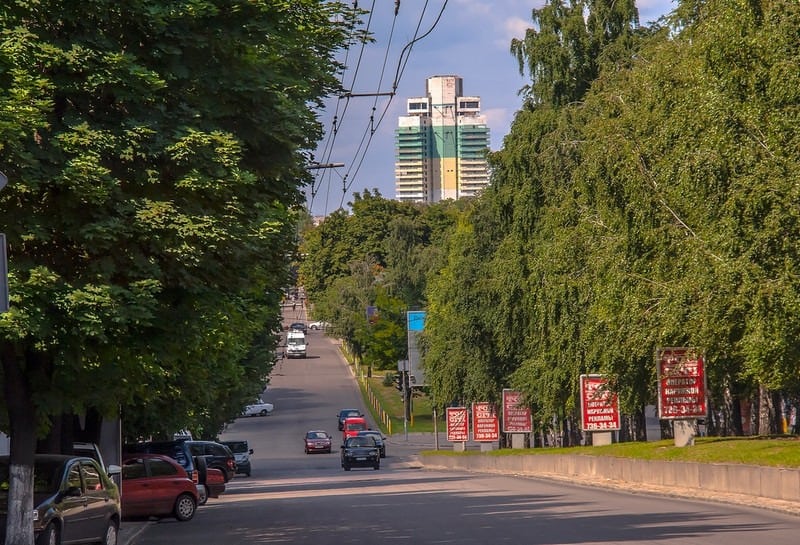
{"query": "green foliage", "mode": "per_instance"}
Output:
(154, 153)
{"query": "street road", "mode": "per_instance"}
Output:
(308, 499)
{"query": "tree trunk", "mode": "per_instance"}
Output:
(766, 412)
(22, 425)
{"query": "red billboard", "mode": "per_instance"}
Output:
(681, 384)
(457, 424)
(485, 425)
(516, 416)
(599, 405)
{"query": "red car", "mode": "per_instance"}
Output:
(156, 486)
(352, 426)
(318, 441)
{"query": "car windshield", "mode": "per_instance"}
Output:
(295, 341)
(237, 446)
(317, 435)
(356, 426)
(361, 442)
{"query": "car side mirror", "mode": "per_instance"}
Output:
(251, 451)
(114, 469)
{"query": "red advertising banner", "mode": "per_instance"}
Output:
(599, 405)
(681, 383)
(516, 417)
(485, 425)
(457, 424)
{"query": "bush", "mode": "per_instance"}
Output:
(388, 379)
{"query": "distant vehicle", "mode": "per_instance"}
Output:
(352, 426)
(380, 439)
(298, 326)
(317, 441)
(346, 413)
(319, 325)
(74, 500)
(296, 344)
(242, 452)
(259, 408)
(154, 485)
(360, 452)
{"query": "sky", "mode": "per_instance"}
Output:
(466, 38)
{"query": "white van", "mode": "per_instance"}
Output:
(295, 344)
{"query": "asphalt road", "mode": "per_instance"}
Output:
(304, 499)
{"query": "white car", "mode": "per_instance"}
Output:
(260, 408)
(319, 325)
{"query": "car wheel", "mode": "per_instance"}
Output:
(346, 468)
(376, 466)
(263, 412)
(185, 507)
(49, 536)
(112, 533)
(247, 474)
(202, 494)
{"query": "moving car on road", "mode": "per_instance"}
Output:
(317, 441)
(353, 425)
(346, 413)
(360, 452)
(380, 440)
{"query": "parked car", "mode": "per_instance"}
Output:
(180, 452)
(74, 500)
(299, 326)
(346, 413)
(319, 325)
(380, 440)
(360, 452)
(154, 485)
(317, 441)
(353, 425)
(242, 451)
(259, 408)
(217, 456)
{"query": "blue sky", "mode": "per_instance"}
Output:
(471, 39)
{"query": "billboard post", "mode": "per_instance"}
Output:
(517, 419)
(682, 390)
(599, 409)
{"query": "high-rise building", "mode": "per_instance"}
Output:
(441, 144)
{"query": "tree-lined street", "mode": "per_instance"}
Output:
(309, 500)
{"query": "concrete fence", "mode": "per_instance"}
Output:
(764, 482)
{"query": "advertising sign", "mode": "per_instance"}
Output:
(599, 405)
(516, 417)
(457, 424)
(681, 384)
(485, 425)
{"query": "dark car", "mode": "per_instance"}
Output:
(179, 451)
(317, 441)
(217, 456)
(299, 326)
(242, 451)
(346, 413)
(154, 485)
(74, 500)
(359, 451)
(380, 440)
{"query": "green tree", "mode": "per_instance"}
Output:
(153, 151)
